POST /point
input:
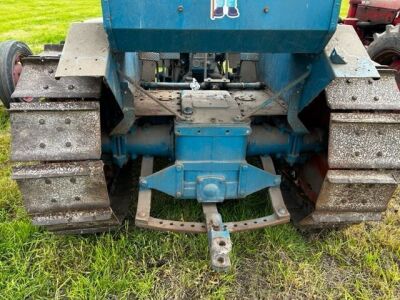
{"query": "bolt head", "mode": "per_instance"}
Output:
(282, 211)
(143, 183)
(178, 194)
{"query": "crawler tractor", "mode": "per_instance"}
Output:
(252, 96)
(377, 23)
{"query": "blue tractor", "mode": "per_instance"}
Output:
(239, 96)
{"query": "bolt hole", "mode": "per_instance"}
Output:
(221, 260)
(73, 180)
(53, 200)
(222, 243)
(182, 225)
(172, 224)
(77, 198)
(235, 225)
(47, 181)
(192, 225)
(161, 222)
(245, 224)
(363, 201)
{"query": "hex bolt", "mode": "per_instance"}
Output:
(71, 87)
(357, 153)
(282, 211)
(179, 168)
(143, 183)
(266, 10)
(68, 144)
(51, 71)
(42, 145)
(180, 8)
(376, 98)
(67, 121)
(42, 122)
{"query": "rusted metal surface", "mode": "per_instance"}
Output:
(55, 131)
(66, 196)
(246, 100)
(219, 240)
(364, 141)
(73, 198)
(145, 220)
(364, 93)
(60, 187)
(38, 81)
(86, 51)
(353, 196)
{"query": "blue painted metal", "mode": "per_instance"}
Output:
(187, 26)
(158, 141)
(210, 165)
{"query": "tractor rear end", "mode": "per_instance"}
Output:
(207, 89)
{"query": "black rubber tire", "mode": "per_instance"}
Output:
(383, 43)
(9, 50)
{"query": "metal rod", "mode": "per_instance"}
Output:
(204, 86)
(276, 96)
(144, 92)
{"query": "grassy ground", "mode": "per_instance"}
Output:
(361, 262)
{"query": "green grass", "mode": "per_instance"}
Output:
(361, 262)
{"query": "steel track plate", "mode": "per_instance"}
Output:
(349, 196)
(62, 187)
(55, 131)
(364, 93)
(38, 81)
(364, 141)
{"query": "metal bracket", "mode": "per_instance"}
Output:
(145, 220)
(219, 240)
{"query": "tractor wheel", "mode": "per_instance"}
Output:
(11, 54)
(385, 49)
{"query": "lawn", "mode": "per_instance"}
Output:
(360, 262)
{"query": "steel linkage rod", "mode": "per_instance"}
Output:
(277, 95)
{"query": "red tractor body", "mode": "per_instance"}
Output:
(372, 16)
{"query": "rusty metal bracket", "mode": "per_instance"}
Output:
(145, 220)
(219, 240)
